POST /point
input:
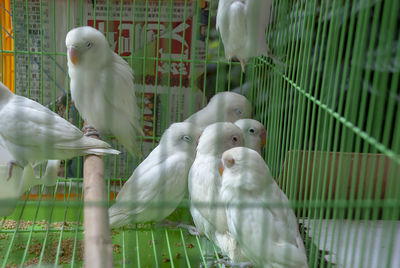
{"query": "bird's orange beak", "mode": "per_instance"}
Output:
(263, 137)
(73, 55)
(221, 168)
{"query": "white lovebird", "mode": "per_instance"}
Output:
(254, 134)
(205, 182)
(269, 236)
(102, 86)
(161, 178)
(32, 134)
(242, 25)
(223, 107)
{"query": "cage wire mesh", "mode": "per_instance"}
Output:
(331, 112)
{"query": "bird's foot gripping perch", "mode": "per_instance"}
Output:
(228, 263)
(212, 262)
(91, 131)
(10, 166)
(191, 229)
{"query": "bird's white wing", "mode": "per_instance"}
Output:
(204, 184)
(147, 185)
(244, 225)
(262, 237)
(232, 25)
(125, 80)
(126, 100)
(222, 20)
(122, 103)
(237, 23)
(155, 158)
(31, 124)
(258, 16)
(284, 215)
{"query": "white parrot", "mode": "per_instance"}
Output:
(205, 182)
(161, 177)
(254, 134)
(242, 25)
(32, 134)
(269, 236)
(223, 107)
(102, 86)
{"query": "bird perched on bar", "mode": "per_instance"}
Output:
(32, 133)
(102, 87)
(268, 235)
(254, 134)
(205, 182)
(161, 177)
(223, 107)
(242, 25)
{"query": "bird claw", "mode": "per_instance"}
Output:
(234, 264)
(10, 166)
(91, 131)
(168, 223)
(191, 229)
(210, 261)
(243, 65)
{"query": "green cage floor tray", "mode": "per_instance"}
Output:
(45, 233)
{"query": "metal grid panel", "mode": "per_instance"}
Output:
(331, 113)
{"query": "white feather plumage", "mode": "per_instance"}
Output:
(31, 133)
(102, 87)
(242, 25)
(254, 133)
(161, 177)
(223, 107)
(205, 182)
(269, 236)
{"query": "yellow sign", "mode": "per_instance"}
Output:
(6, 46)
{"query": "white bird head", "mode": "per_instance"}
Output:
(243, 168)
(254, 133)
(219, 137)
(223, 107)
(87, 47)
(230, 106)
(182, 136)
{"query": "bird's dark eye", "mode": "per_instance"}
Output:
(235, 139)
(252, 130)
(238, 111)
(88, 44)
(187, 138)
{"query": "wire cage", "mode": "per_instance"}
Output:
(331, 111)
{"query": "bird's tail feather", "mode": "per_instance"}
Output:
(117, 219)
(297, 257)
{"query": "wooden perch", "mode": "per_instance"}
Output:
(97, 247)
